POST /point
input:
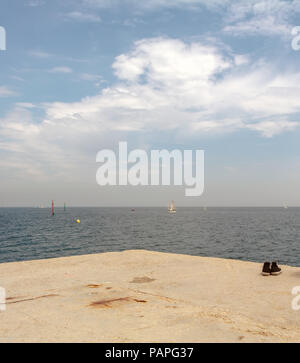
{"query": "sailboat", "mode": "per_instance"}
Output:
(171, 208)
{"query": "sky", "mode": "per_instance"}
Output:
(79, 76)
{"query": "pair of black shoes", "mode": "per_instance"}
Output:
(269, 269)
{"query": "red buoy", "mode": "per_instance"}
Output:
(53, 207)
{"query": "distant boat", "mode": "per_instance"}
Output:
(171, 208)
(285, 206)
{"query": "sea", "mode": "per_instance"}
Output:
(250, 234)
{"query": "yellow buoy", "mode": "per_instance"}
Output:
(78, 221)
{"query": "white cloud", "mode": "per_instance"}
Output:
(25, 105)
(34, 3)
(240, 17)
(164, 61)
(6, 92)
(192, 89)
(17, 125)
(263, 17)
(241, 59)
(83, 17)
(17, 78)
(152, 4)
(266, 26)
(40, 54)
(271, 128)
(45, 55)
(173, 84)
(90, 77)
(169, 84)
(61, 70)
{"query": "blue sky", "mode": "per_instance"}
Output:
(80, 75)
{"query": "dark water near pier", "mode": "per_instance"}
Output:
(253, 234)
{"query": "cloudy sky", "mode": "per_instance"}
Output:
(79, 76)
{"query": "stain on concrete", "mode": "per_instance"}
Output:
(140, 301)
(141, 280)
(110, 303)
(15, 298)
(31, 299)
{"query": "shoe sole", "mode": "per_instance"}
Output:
(266, 273)
(276, 273)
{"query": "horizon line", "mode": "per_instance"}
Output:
(158, 206)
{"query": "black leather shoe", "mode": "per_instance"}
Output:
(275, 270)
(266, 271)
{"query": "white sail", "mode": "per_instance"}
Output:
(172, 208)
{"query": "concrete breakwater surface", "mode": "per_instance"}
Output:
(143, 296)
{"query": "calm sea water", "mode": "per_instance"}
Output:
(253, 234)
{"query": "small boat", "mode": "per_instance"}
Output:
(171, 208)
